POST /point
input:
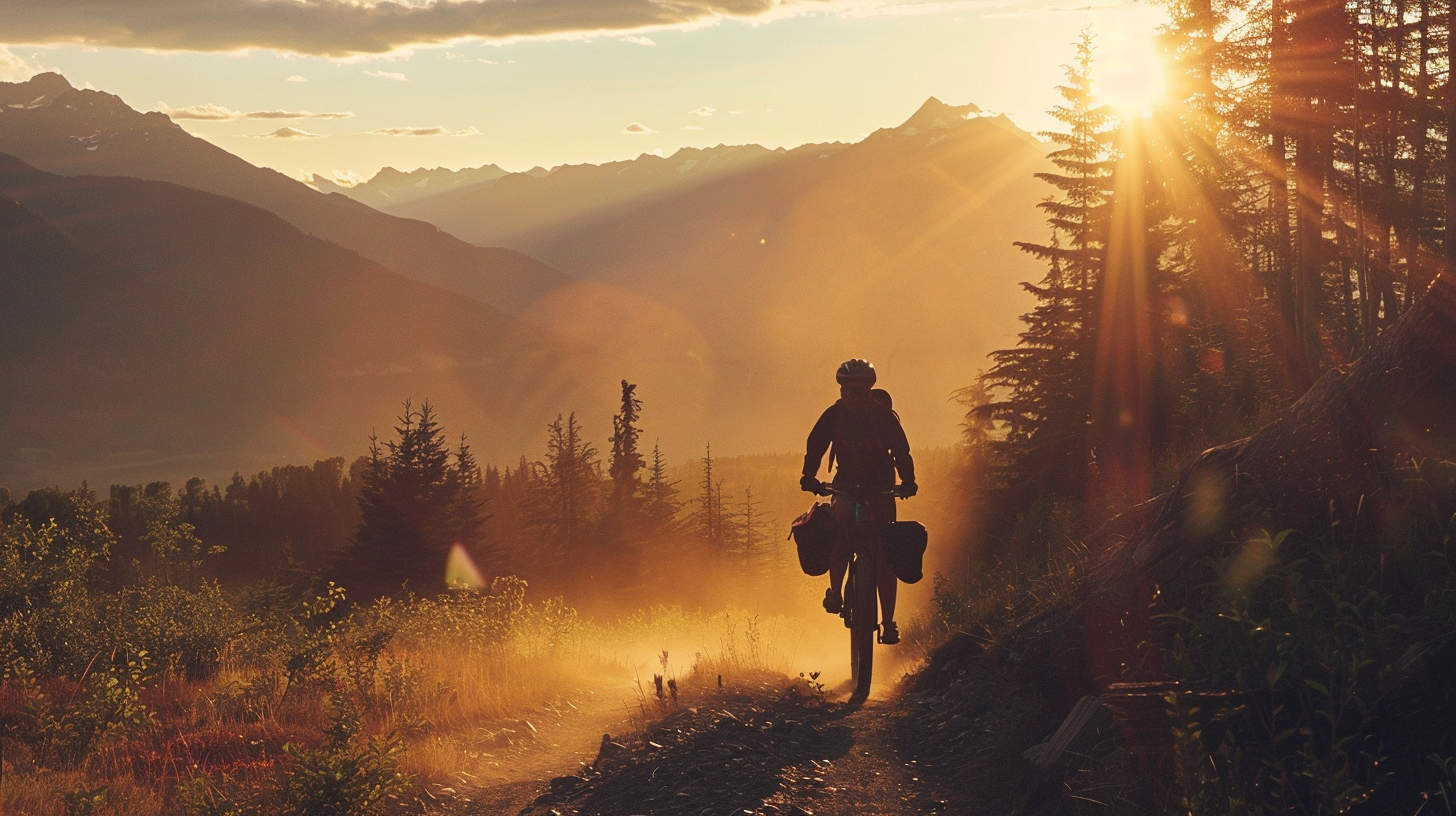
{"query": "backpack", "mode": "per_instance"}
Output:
(813, 534)
(862, 431)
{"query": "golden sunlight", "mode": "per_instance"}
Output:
(1129, 73)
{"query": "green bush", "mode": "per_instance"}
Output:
(341, 780)
(1338, 649)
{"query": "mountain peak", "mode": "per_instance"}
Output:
(38, 90)
(936, 115)
(50, 82)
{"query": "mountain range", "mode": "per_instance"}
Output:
(153, 328)
(775, 265)
(204, 307)
(69, 131)
(390, 187)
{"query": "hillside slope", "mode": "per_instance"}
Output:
(897, 248)
(63, 130)
(519, 208)
(164, 331)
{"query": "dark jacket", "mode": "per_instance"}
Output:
(865, 440)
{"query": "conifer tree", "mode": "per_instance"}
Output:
(563, 496)
(626, 463)
(1043, 387)
(414, 504)
(662, 506)
(707, 519)
(747, 527)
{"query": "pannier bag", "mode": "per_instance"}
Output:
(813, 534)
(905, 550)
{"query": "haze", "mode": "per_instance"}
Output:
(798, 73)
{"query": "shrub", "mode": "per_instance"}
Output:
(340, 780)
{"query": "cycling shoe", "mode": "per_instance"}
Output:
(833, 604)
(889, 633)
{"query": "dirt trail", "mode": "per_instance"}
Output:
(559, 739)
(757, 747)
(876, 776)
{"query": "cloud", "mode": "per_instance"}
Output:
(288, 133)
(737, 112)
(637, 127)
(394, 75)
(1050, 11)
(704, 111)
(344, 27)
(689, 127)
(295, 78)
(15, 68)
(637, 40)
(219, 113)
(436, 130)
(457, 56)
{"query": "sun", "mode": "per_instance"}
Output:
(1132, 92)
(1129, 72)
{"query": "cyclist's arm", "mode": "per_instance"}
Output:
(819, 440)
(900, 453)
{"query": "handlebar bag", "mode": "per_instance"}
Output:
(813, 534)
(905, 550)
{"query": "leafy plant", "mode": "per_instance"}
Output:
(341, 780)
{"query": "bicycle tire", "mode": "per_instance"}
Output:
(863, 599)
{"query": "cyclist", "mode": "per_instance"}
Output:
(866, 448)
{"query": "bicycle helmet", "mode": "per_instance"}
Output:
(855, 371)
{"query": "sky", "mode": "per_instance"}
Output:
(342, 88)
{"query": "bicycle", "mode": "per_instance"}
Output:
(861, 587)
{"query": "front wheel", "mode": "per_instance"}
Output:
(862, 600)
(861, 661)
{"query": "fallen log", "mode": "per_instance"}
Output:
(1331, 458)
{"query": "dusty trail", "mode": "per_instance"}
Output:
(559, 739)
(752, 748)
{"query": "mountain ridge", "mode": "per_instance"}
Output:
(898, 248)
(68, 131)
(226, 338)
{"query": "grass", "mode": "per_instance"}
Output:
(450, 678)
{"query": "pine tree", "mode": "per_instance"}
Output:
(746, 527)
(1043, 387)
(707, 519)
(563, 496)
(625, 468)
(468, 513)
(414, 504)
(662, 506)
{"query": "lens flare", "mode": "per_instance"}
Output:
(460, 569)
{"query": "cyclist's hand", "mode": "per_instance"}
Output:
(908, 489)
(809, 484)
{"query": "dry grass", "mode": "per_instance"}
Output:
(55, 793)
(451, 697)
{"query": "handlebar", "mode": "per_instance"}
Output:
(860, 495)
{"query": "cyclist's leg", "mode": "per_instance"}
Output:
(884, 511)
(839, 555)
(889, 588)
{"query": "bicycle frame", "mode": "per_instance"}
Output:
(861, 611)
